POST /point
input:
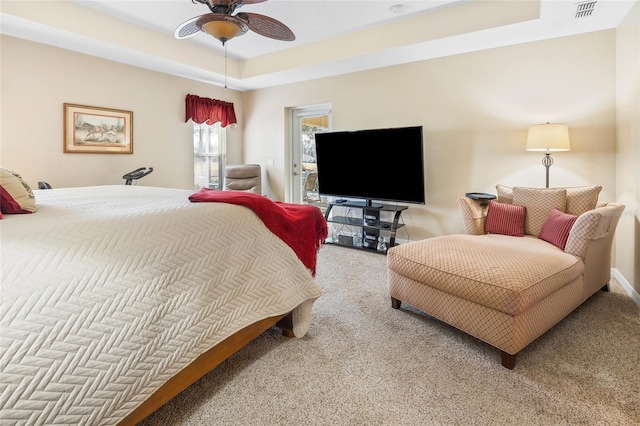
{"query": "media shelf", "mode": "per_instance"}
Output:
(361, 224)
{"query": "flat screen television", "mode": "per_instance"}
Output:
(375, 164)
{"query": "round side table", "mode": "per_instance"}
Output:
(481, 196)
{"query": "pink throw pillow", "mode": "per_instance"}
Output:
(505, 219)
(556, 228)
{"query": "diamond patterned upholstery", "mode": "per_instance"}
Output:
(465, 266)
(539, 202)
(581, 199)
(504, 290)
(473, 215)
(506, 332)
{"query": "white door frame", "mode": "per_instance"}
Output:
(294, 166)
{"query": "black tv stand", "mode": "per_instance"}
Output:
(360, 204)
(370, 222)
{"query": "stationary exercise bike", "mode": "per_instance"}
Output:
(136, 174)
(128, 177)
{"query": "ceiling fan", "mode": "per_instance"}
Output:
(222, 24)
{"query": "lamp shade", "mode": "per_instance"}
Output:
(548, 137)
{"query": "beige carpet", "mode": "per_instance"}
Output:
(364, 363)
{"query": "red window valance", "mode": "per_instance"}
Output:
(211, 111)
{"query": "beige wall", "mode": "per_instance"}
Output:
(38, 79)
(475, 110)
(628, 146)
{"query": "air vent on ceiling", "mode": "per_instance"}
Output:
(585, 9)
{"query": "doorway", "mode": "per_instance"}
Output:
(306, 122)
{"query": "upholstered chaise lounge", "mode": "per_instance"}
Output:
(503, 288)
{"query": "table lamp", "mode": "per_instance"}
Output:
(548, 137)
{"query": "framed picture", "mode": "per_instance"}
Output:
(98, 130)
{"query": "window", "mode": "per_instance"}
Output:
(208, 155)
(305, 123)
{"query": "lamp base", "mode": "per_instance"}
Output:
(547, 162)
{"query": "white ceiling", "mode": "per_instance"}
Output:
(309, 20)
(332, 36)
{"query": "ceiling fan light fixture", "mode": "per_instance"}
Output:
(224, 29)
(224, 26)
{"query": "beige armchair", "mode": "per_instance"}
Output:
(509, 290)
(243, 177)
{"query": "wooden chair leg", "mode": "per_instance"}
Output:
(605, 287)
(508, 360)
(395, 303)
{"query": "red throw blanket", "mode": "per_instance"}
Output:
(302, 227)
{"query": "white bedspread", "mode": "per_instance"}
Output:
(109, 291)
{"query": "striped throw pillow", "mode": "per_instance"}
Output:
(556, 228)
(505, 219)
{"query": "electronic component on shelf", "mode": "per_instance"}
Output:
(371, 220)
(345, 240)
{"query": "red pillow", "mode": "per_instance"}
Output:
(505, 219)
(556, 228)
(15, 194)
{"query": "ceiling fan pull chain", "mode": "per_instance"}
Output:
(225, 65)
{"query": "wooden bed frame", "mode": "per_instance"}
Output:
(205, 363)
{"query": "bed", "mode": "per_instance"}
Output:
(116, 298)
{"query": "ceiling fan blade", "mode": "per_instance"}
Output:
(267, 26)
(187, 28)
(247, 1)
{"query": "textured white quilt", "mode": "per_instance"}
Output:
(107, 292)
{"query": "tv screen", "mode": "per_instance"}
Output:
(376, 164)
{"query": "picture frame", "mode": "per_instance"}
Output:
(97, 130)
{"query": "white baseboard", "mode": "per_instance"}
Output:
(626, 286)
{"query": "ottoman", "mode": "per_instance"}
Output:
(503, 290)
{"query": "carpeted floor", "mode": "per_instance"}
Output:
(364, 363)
